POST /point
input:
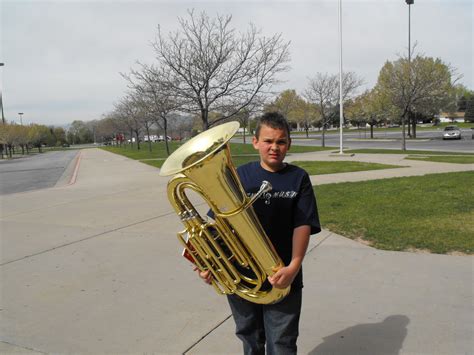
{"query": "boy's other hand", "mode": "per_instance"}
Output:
(283, 277)
(205, 275)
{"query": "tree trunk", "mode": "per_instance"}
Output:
(409, 124)
(138, 140)
(149, 140)
(404, 146)
(165, 128)
(205, 119)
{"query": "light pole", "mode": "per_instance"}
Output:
(21, 119)
(1, 100)
(341, 110)
(409, 3)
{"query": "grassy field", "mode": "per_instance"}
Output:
(243, 153)
(466, 159)
(333, 167)
(399, 151)
(432, 212)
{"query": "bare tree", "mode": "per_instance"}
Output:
(157, 90)
(130, 114)
(211, 68)
(323, 90)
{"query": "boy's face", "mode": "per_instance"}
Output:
(272, 145)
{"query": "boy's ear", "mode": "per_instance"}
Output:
(254, 142)
(289, 143)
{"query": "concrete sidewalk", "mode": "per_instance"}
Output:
(94, 267)
(407, 167)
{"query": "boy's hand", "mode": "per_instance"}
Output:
(205, 275)
(283, 277)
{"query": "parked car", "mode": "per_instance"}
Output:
(451, 132)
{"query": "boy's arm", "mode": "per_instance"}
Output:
(285, 276)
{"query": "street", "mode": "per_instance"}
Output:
(37, 171)
(426, 140)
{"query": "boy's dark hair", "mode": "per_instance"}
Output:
(274, 120)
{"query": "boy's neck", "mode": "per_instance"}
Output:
(273, 169)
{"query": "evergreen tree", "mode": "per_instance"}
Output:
(469, 115)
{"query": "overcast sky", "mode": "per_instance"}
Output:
(63, 58)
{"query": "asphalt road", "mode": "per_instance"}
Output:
(33, 172)
(426, 140)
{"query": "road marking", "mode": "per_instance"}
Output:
(76, 169)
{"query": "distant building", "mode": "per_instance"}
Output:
(155, 138)
(152, 138)
(451, 117)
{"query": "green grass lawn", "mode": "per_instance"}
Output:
(467, 159)
(158, 150)
(432, 212)
(333, 167)
(240, 148)
(399, 151)
(241, 153)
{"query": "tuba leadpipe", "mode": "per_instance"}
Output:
(234, 246)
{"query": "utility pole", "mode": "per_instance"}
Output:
(341, 110)
(1, 100)
(409, 3)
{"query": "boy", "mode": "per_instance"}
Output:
(289, 216)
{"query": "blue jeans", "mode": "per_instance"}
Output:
(275, 325)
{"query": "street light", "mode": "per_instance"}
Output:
(1, 100)
(341, 110)
(409, 3)
(21, 115)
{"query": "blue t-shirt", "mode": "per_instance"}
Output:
(291, 203)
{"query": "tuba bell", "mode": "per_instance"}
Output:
(234, 246)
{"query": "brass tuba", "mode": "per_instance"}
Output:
(234, 247)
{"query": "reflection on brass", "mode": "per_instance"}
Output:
(190, 160)
(234, 247)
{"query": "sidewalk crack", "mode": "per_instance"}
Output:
(208, 333)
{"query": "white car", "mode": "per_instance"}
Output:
(451, 132)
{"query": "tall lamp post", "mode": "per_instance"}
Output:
(341, 110)
(21, 117)
(1, 100)
(3, 146)
(409, 3)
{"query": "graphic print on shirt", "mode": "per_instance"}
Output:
(268, 196)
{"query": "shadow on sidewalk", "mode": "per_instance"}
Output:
(373, 338)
